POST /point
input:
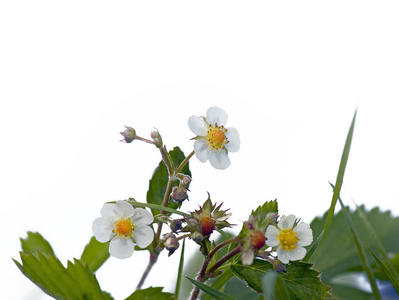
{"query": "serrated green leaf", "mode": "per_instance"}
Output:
(74, 282)
(160, 178)
(151, 293)
(273, 287)
(336, 258)
(95, 254)
(36, 242)
(301, 281)
(210, 291)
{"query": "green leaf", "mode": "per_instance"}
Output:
(36, 242)
(210, 291)
(151, 293)
(159, 180)
(273, 287)
(74, 282)
(301, 281)
(337, 189)
(180, 271)
(220, 282)
(95, 254)
(262, 211)
(338, 255)
(360, 250)
(393, 278)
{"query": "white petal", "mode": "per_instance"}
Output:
(247, 257)
(202, 150)
(297, 254)
(272, 234)
(234, 140)
(286, 222)
(102, 229)
(282, 255)
(216, 115)
(219, 159)
(142, 216)
(117, 210)
(197, 125)
(305, 234)
(121, 247)
(143, 235)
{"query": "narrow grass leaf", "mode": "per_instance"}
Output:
(393, 278)
(179, 273)
(210, 290)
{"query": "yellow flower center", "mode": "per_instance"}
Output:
(288, 239)
(216, 136)
(123, 227)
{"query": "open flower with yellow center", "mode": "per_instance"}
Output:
(289, 238)
(125, 226)
(214, 141)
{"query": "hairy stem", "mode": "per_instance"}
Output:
(151, 263)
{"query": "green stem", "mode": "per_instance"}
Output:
(184, 162)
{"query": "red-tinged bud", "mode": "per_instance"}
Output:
(207, 225)
(175, 225)
(156, 137)
(258, 239)
(197, 237)
(179, 194)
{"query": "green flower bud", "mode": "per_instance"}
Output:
(156, 137)
(175, 225)
(170, 242)
(197, 237)
(179, 194)
(129, 134)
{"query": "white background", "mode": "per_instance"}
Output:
(290, 74)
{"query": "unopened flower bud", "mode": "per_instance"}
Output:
(129, 134)
(156, 137)
(185, 181)
(170, 242)
(193, 225)
(272, 218)
(197, 237)
(175, 225)
(179, 194)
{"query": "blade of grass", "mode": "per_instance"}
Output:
(211, 291)
(377, 241)
(160, 207)
(179, 273)
(360, 250)
(338, 184)
(220, 282)
(393, 278)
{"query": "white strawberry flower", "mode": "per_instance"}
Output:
(289, 238)
(214, 141)
(124, 226)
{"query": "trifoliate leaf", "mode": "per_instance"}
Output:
(36, 242)
(151, 293)
(95, 254)
(74, 282)
(302, 282)
(159, 180)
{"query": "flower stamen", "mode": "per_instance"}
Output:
(288, 239)
(123, 227)
(216, 136)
